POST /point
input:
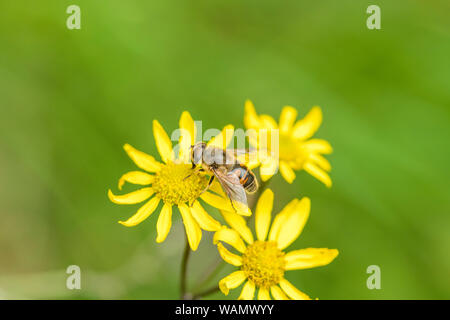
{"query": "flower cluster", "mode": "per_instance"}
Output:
(262, 261)
(176, 182)
(295, 148)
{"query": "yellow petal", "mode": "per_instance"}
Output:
(231, 237)
(268, 122)
(223, 203)
(306, 127)
(248, 291)
(231, 281)
(250, 160)
(143, 213)
(238, 223)
(268, 168)
(287, 118)
(163, 142)
(229, 257)
(309, 258)
(204, 220)
(253, 163)
(223, 138)
(132, 197)
(135, 177)
(253, 135)
(251, 119)
(287, 172)
(294, 223)
(216, 201)
(280, 218)
(263, 214)
(164, 223)
(320, 161)
(188, 124)
(292, 291)
(187, 138)
(193, 231)
(141, 159)
(317, 146)
(241, 208)
(318, 173)
(263, 294)
(277, 293)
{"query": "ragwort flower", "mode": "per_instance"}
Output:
(173, 182)
(295, 149)
(263, 262)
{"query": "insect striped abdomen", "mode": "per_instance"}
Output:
(246, 178)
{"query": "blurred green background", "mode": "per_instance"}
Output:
(70, 99)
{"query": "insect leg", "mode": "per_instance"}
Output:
(232, 205)
(211, 180)
(209, 184)
(195, 170)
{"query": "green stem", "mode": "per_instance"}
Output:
(205, 292)
(183, 278)
(213, 270)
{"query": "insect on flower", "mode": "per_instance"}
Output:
(234, 177)
(166, 182)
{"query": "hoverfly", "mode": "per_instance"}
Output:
(234, 177)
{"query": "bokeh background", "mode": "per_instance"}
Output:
(70, 99)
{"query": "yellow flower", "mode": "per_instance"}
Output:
(296, 150)
(263, 262)
(173, 182)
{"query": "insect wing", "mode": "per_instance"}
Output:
(214, 155)
(234, 190)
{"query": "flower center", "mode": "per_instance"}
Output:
(177, 183)
(263, 263)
